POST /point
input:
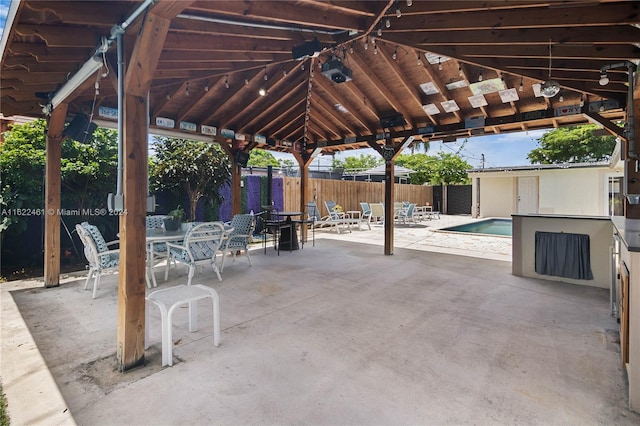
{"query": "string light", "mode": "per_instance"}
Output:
(366, 43)
(581, 100)
(265, 74)
(375, 50)
(206, 88)
(409, 3)
(419, 60)
(226, 81)
(395, 54)
(351, 47)
(168, 97)
(387, 23)
(398, 12)
(460, 70)
(284, 73)
(380, 31)
(246, 81)
(186, 91)
(521, 88)
(480, 76)
(439, 64)
(561, 98)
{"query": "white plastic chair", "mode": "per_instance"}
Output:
(200, 246)
(97, 253)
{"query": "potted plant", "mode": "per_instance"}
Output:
(174, 219)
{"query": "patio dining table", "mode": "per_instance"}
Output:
(159, 235)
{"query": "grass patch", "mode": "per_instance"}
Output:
(4, 416)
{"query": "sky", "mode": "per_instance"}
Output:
(4, 8)
(503, 150)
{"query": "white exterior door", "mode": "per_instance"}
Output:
(527, 195)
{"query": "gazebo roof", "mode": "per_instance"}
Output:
(449, 69)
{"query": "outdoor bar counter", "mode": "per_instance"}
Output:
(627, 231)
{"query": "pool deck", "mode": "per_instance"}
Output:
(424, 236)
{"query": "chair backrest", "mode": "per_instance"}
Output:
(313, 212)
(94, 244)
(377, 209)
(243, 224)
(330, 205)
(366, 209)
(202, 241)
(154, 221)
(410, 209)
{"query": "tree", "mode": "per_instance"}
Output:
(352, 163)
(420, 163)
(196, 169)
(85, 168)
(574, 144)
(262, 158)
(449, 169)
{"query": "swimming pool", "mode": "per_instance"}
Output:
(499, 227)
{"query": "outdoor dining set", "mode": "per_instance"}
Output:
(200, 244)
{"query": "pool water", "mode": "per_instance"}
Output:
(500, 227)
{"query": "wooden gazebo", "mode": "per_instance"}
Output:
(308, 77)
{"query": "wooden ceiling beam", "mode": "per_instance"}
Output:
(203, 44)
(512, 18)
(212, 56)
(241, 93)
(276, 102)
(58, 36)
(444, 93)
(337, 98)
(323, 123)
(603, 35)
(303, 16)
(360, 63)
(285, 123)
(330, 113)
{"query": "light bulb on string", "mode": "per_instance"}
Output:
(246, 81)
(387, 23)
(375, 50)
(409, 3)
(439, 64)
(265, 74)
(226, 81)
(395, 54)
(521, 87)
(460, 70)
(398, 12)
(419, 60)
(379, 31)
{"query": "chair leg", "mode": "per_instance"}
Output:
(246, 252)
(86, 283)
(216, 270)
(192, 271)
(96, 281)
(224, 257)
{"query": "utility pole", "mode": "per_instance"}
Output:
(482, 157)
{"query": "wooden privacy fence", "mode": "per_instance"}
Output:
(349, 193)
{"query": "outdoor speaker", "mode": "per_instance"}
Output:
(395, 120)
(309, 48)
(80, 129)
(241, 158)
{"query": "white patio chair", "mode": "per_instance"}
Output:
(366, 214)
(238, 240)
(97, 253)
(200, 246)
(377, 212)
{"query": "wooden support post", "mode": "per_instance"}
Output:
(52, 196)
(236, 178)
(632, 165)
(304, 160)
(131, 289)
(389, 199)
(131, 279)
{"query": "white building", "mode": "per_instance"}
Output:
(589, 189)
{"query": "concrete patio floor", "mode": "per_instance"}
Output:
(332, 334)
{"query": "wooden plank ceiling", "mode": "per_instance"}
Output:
(421, 59)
